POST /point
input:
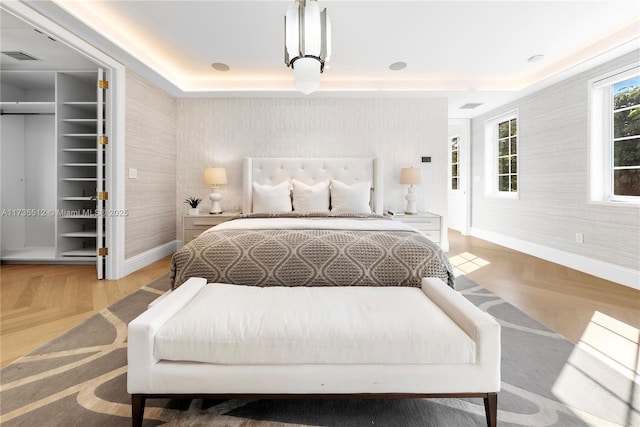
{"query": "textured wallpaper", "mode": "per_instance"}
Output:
(554, 178)
(151, 149)
(220, 132)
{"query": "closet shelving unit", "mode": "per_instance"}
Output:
(54, 124)
(78, 131)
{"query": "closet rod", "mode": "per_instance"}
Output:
(2, 113)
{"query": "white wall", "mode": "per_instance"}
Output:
(553, 182)
(13, 183)
(220, 132)
(40, 187)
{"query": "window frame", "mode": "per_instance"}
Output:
(601, 141)
(492, 158)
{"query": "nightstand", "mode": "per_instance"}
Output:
(194, 225)
(429, 223)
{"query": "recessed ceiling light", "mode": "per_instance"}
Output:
(535, 58)
(397, 66)
(219, 66)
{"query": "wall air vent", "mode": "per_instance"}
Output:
(471, 106)
(20, 56)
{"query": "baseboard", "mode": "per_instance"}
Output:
(614, 273)
(139, 261)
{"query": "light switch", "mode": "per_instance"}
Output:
(133, 173)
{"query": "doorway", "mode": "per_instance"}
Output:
(459, 189)
(82, 156)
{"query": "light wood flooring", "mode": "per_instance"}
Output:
(40, 302)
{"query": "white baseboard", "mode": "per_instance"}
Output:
(605, 270)
(139, 261)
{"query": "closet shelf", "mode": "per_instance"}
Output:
(78, 198)
(86, 252)
(86, 106)
(80, 179)
(19, 107)
(83, 234)
(81, 150)
(80, 165)
(80, 135)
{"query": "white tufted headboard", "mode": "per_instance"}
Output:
(274, 170)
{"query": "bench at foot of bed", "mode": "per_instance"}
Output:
(225, 341)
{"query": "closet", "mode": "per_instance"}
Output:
(52, 157)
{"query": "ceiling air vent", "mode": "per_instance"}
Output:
(20, 56)
(471, 105)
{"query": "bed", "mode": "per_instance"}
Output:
(312, 303)
(299, 229)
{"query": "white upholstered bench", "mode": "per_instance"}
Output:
(218, 340)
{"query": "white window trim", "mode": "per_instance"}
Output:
(600, 130)
(491, 158)
(460, 188)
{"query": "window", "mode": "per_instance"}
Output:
(455, 163)
(626, 138)
(615, 137)
(502, 155)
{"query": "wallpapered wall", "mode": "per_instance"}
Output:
(151, 149)
(553, 182)
(220, 132)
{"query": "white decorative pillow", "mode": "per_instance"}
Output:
(310, 198)
(350, 198)
(271, 198)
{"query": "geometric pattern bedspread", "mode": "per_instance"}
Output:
(311, 257)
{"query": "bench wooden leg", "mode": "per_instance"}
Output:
(137, 409)
(491, 409)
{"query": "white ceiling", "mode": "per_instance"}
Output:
(468, 51)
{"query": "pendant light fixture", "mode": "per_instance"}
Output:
(307, 38)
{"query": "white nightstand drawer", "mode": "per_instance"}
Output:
(195, 225)
(430, 224)
(424, 224)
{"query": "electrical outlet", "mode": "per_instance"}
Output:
(579, 238)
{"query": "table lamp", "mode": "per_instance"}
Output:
(215, 177)
(411, 176)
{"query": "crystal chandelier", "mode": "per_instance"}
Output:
(307, 37)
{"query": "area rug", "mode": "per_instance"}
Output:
(79, 379)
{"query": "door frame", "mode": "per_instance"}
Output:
(462, 129)
(115, 109)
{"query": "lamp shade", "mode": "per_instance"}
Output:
(215, 176)
(410, 176)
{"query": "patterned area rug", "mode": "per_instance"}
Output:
(79, 378)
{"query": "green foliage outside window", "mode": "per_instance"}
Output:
(508, 156)
(626, 138)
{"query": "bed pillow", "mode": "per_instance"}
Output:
(350, 198)
(310, 198)
(271, 198)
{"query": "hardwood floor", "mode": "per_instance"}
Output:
(560, 298)
(40, 302)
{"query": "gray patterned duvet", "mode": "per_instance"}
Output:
(308, 250)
